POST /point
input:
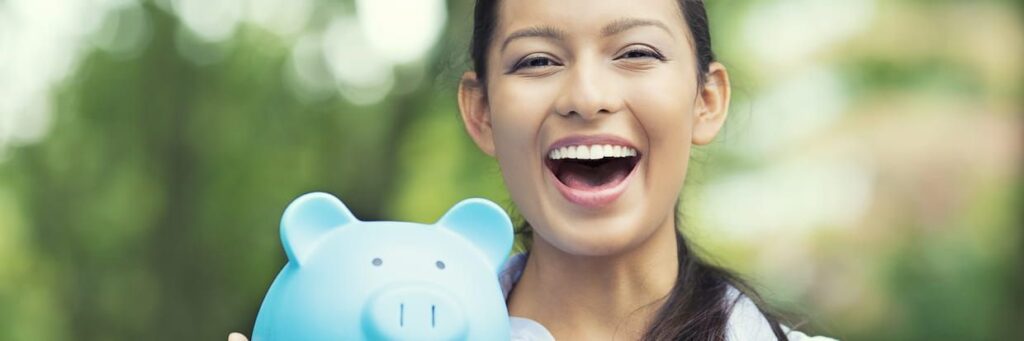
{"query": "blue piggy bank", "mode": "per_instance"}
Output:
(353, 280)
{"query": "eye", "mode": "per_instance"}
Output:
(440, 265)
(535, 61)
(377, 262)
(640, 52)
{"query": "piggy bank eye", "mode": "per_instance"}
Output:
(377, 262)
(440, 265)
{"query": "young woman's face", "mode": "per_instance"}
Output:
(591, 108)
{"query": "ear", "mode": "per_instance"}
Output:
(307, 219)
(712, 105)
(476, 112)
(485, 225)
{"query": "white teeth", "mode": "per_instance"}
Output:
(596, 152)
(582, 152)
(591, 152)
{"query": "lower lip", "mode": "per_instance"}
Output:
(596, 198)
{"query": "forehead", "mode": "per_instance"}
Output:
(579, 17)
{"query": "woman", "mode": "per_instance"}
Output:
(591, 109)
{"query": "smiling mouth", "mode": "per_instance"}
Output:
(592, 168)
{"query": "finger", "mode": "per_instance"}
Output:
(237, 337)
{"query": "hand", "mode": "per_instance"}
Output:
(237, 337)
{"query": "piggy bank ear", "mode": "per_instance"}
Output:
(484, 224)
(307, 219)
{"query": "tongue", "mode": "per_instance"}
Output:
(591, 176)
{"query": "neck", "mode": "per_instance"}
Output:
(597, 297)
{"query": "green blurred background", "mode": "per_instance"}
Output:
(869, 178)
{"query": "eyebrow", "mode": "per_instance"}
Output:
(535, 31)
(624, 24)
(616, 27)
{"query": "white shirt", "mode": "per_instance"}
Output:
(746, 323)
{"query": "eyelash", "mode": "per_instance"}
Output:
(643, 53)
(526, 61)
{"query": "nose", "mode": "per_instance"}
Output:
(413, 312)
(588, 90)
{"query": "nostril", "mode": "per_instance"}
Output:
(401, 315)
(433, 316)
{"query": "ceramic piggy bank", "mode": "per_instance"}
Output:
(355, 280)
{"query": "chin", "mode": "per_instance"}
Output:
(597, 239)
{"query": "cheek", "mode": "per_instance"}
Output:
(664, 104)
(516, 117)
(518, 109)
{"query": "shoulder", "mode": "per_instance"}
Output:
(510, 272)
(747, 323)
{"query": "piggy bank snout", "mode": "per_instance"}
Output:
(414, 312)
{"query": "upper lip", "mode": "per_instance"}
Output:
(586, 140)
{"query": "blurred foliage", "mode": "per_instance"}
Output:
(150, 209)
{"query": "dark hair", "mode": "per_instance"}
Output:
(697, 308)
